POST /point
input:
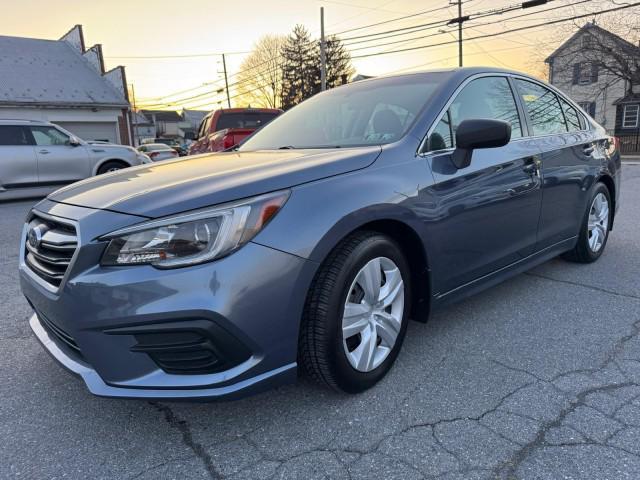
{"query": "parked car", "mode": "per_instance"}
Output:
(158, 151)
(222, 129)
(314, 243)
(173, 143)
(38, 157)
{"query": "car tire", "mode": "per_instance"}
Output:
(595, 228)
(111, 166)
(358, 362)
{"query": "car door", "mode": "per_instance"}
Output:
(59, 162)
(18, 166)
(567, 154)
(487, 213)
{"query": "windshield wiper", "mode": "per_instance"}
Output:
(286, 147)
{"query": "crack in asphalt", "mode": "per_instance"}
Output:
(509, 468)
(584, 285)
(187, 438)
(159, 465)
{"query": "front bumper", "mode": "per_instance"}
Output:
(97, 386)
(252, 301)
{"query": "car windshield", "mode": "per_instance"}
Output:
(368, 113)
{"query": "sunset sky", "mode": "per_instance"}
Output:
(146, 28)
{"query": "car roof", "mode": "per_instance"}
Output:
(20, 121)
(163, 145)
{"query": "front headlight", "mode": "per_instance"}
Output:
(194, 237)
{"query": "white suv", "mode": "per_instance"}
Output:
(39, 157)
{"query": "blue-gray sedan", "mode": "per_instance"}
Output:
(313, 243)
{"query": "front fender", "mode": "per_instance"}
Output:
(319, 214)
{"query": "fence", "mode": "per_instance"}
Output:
(629, 143)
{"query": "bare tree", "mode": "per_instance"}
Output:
(607, 45)
(259, 81)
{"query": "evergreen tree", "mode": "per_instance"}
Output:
(301, 76)
(298, 76)
(339, 68)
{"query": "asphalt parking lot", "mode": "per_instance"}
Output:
(538, 378)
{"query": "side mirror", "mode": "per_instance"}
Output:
(480, 133)
(74, 141)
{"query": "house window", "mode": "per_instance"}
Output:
(630, 116)
(585, 73)
(589, 107)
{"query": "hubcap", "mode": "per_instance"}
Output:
(598, 222)
(372, 315)
(113, 169)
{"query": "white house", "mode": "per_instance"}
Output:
(577, 67)
(63, 82)
(143, 128)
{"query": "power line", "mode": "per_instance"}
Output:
(384, 22)
(186, 55)
(479, 25)
(496, 34)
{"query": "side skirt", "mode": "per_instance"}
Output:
(494, 278)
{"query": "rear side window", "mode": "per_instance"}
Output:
(543, 107)
(571, 116)
(49, 136)
(244, 120)
(483, 98)
(14, 135)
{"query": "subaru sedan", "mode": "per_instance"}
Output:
(310, 246)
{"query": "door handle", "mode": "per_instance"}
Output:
(588, 149)
(43, 151)
(530, 168)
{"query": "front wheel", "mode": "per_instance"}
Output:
(111, 166)
(594, 231)
(355, 316)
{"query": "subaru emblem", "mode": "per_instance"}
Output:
(34, 237)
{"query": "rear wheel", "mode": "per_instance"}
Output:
(111, 166)
(595, 228)
(355, 317)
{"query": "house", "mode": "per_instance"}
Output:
(63, 82)
(143, 128)
(194, 117)
(582, 67)
(168, 123)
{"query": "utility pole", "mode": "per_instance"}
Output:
(323, 54)
(226, 82)
(136, 134)
(460, 20)
(459, 33)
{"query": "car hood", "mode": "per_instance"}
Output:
(109, 146)
(159, 189)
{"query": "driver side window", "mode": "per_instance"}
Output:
(47, 136)
(486, 98)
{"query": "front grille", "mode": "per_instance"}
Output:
(59, 333)
(50, 245)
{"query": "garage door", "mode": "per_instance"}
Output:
(105, 131)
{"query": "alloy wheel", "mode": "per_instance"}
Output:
(373, 312)
(598, 222)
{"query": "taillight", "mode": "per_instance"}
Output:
(613, 145)
(227, 141)
(153, 155)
